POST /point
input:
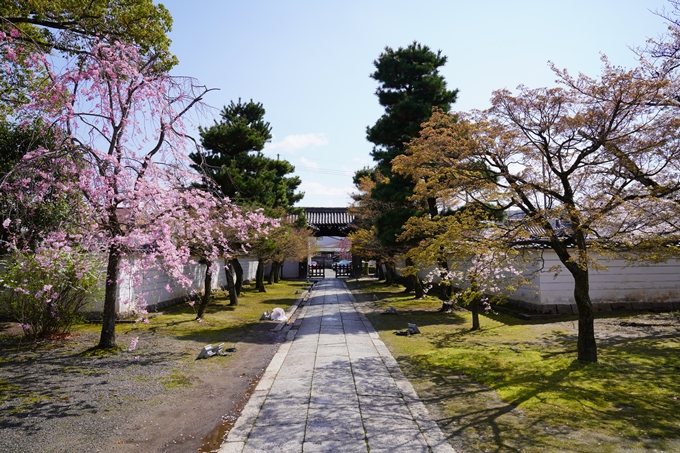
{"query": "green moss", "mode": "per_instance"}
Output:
(176, 379)
(7, 390)
(516, 386)
(220, 318)
(100, 352)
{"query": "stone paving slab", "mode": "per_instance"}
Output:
(333, 386)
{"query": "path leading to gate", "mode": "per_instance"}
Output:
(334, 387)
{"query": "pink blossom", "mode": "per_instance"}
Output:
(136, 194)
(133, 344)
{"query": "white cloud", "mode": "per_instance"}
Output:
(317, 194)
(309, 163)
(299, 141)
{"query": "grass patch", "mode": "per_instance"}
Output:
(221, 321)
(219, 315)
(175, 380)
(7, 389)
(515, 385)
(96, 351)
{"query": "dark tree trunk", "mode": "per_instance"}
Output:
(272, 270)
(474, 305)
(413, 282)
(231, 287)
(277, 272)
(259, 276)
(474, 308)
(587, 347)
(108, 335)
(380, 273)
(238, 271)
(432, 207)
(389, 274)
(408, 284)
(418, 287)
(207, 291)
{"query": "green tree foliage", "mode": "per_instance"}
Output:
(410, 85)
(234, 161)
(472, 255)
(62, 282)
(70, 27)
(66, 25)
(15, 142)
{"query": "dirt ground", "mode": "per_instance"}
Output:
(54, 400)
(196, 419)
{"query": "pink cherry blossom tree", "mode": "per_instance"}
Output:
(123, 119)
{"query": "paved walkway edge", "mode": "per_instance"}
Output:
(431, 431)
(236, 438)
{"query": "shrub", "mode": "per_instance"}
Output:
(44, 290)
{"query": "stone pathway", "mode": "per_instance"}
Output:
(334, 387)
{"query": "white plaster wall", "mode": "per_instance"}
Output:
(249, 264)
(155, 284)
(652, 283)
(291, 269)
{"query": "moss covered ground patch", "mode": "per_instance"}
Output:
(517, 386)
(221, 322)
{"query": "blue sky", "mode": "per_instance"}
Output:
(309, 62)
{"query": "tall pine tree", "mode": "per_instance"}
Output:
(233, 159)
(409, 86)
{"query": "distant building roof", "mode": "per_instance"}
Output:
(329, 221)
(328, 216)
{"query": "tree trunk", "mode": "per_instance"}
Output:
(207, 291)
(108, 335)
(587, 347)
(418, 286)
(259, 276)
(231, 287)
(413, 282)
(578, 267)
(389, 274)
(380, 273)
(408, 284)
(277, 274)
(474, 308)
(474, 304)
(432, 207)
(447, 290)
(272, 270)
(238, 270)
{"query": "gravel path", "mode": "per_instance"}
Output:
(156, 398)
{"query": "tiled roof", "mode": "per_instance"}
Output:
(318, 217)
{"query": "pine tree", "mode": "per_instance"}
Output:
(410, 85)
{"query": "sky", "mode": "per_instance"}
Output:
(309, 62)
